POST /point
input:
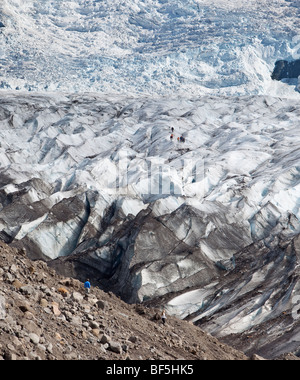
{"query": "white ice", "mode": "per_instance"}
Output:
(155, 47)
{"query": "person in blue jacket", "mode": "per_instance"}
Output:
(87, 286)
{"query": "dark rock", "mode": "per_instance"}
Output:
(102, 305)
(9, 355)
(286, 70)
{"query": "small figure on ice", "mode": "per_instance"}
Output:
(163, 317)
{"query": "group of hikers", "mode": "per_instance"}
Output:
(87, 287)
(179, 139)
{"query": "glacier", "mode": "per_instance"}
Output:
(94, 185)
(92, 182)
(155, 47)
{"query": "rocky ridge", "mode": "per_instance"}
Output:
(44, 316)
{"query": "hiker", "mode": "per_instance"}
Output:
(172, 129)
(163, 317)
(171, 137)
(87, 286)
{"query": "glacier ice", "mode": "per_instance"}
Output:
(235, 180)
(146, 47)
(91, 181)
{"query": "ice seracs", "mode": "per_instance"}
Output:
(198, 47)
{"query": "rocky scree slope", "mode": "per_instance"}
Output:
(44, 316)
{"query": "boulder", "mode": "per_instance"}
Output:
(55, 309)
(25, 306)
(115, 347)
(103, 305)
(63, 291)
(34, 338)
(78, 297)
(104, 339)
(76, 320)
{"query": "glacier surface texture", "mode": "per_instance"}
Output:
(154, 147)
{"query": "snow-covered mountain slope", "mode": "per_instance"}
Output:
(151, 46)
